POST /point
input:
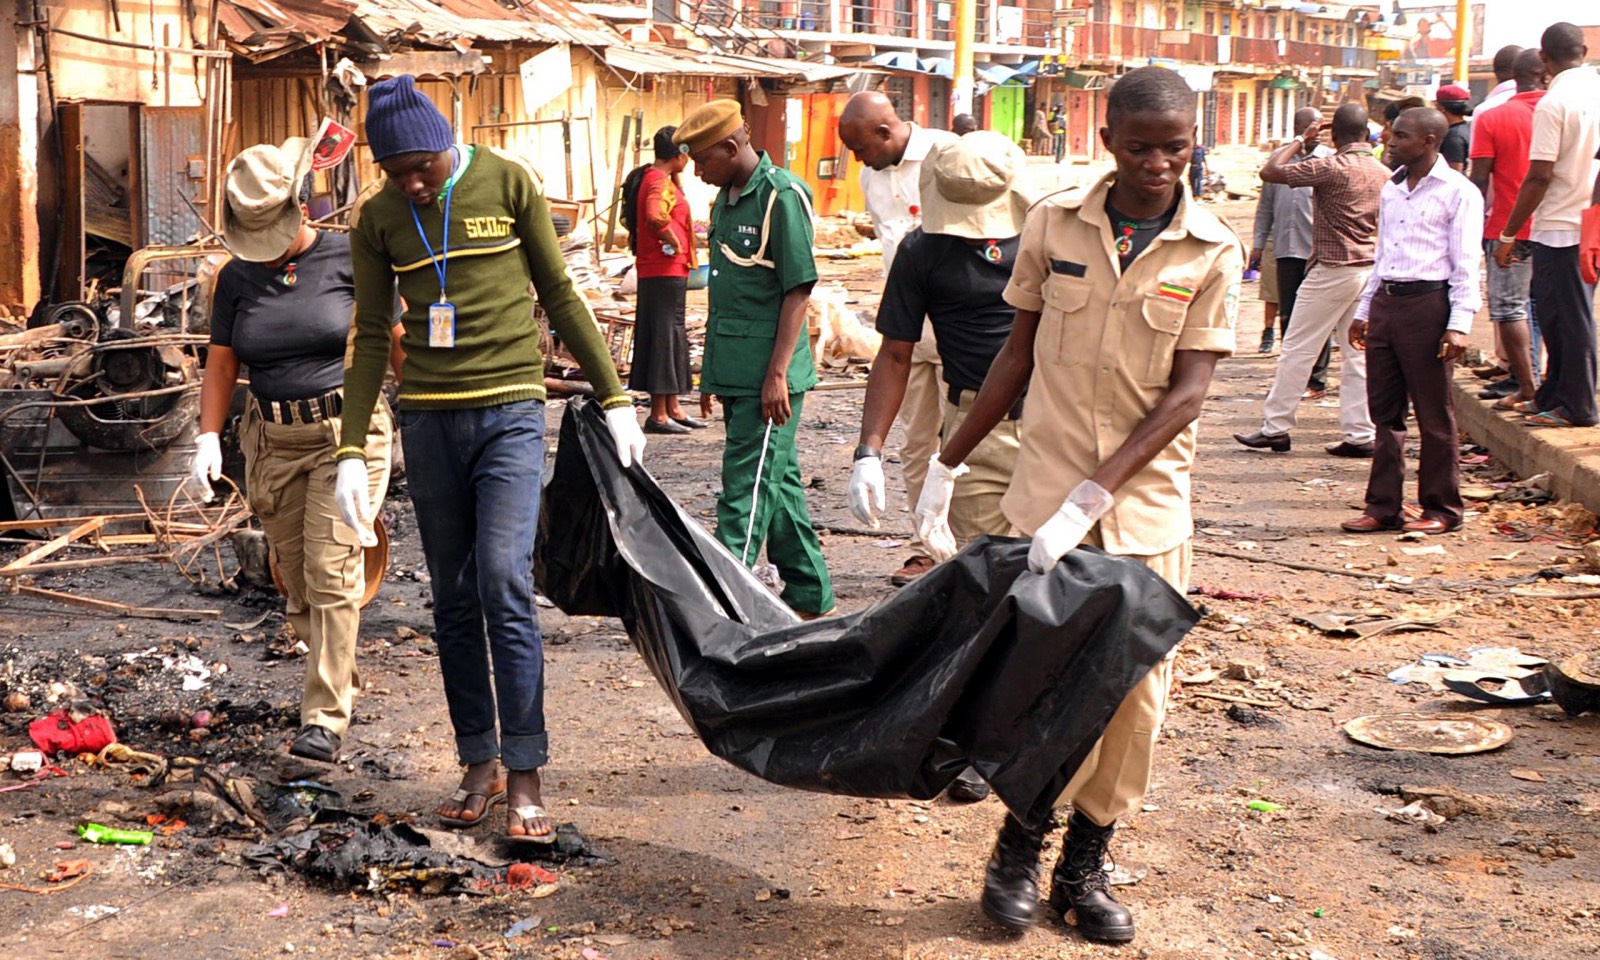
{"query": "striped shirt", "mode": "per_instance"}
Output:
(1344, 203)
(1431, 233)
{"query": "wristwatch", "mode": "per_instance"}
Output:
(1506, 239)
(864, 451)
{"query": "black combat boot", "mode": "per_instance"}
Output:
(1079, 884)
(1011, 881)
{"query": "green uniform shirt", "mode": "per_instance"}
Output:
(760, 250)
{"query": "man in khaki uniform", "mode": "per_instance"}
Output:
(1126, 298)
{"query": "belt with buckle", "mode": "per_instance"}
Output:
(1411, 288)
(953, 394)
(312, 410)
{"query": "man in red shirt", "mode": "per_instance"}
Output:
(1500, 139)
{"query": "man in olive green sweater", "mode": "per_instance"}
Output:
(464, 231)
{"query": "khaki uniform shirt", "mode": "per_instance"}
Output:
(1102, 357)
(760, 243)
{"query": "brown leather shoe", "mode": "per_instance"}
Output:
(1431, 525)
(1370, 524)
(914, 568)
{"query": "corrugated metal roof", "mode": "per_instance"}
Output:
(272, 24)
(653, 58)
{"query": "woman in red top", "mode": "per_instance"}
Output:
(664, 251)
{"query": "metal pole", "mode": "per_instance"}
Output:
(1463, 39)
(966, 25)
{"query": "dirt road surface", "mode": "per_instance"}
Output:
(711, 863)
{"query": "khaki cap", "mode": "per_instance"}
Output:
(707, 125)
(261, 210)
(976, 187)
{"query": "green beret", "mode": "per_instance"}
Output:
(707, 125)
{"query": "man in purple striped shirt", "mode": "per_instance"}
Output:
(1413, 319)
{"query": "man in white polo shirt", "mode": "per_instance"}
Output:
(1555, 193)
(891, 151)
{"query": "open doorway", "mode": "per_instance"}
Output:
(132, 176)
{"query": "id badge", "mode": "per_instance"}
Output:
(442, 325)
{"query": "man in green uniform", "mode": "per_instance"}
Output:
(757, 361)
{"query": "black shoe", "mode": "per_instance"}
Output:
(968, 787)
(664, 426)
(316, 743)
(1266, 342)
(1011, 880)
(1264, 441)
(1079, 885)
(691, 423)
(1355, 451)
(1498, 389)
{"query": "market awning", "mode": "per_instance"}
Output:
(898, 60)
(999, 74)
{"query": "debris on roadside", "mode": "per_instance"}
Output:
(1447, 802)
(1219, 593)
(1365, 626)
(1574, 684)
(377, 854)
(1511, 675)
(1449, 734)
(99, 833)
(1416, 813)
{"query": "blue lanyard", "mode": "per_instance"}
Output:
(440, 262)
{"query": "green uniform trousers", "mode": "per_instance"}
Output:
(782, 521)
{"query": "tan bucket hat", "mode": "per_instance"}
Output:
(261, 210)
(976, 187)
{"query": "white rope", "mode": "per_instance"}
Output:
(755, 495)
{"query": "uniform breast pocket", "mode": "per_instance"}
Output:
(1157, 337)
(1061, 321)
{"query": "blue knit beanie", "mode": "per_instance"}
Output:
(401, 120)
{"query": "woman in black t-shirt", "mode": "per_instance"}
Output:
(282, 308)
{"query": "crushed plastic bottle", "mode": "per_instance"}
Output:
(99, 833)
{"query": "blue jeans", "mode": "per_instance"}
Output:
(474, 477)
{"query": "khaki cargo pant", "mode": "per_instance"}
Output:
(1113, 779)
(289, 473)
(975, 503)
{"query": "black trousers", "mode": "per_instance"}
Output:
(1404, 370)
(1291, 273)
(660, 339)
(1565, 307)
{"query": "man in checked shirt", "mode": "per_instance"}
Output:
(1344, 201)
(1412, 320)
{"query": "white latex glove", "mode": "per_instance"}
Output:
(625, 433)
(207, 465)
(1066, 529)
(933, 509)
(866, 490)
(350, 493)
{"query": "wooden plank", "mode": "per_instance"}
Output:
(44, 523)
(57, 566)
(52, 546)
(121, 609)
